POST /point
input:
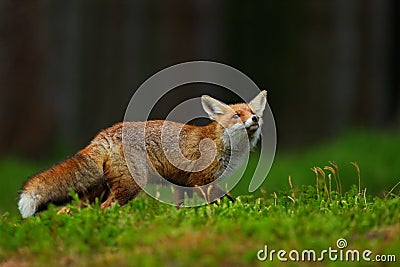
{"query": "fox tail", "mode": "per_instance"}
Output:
(80, 173)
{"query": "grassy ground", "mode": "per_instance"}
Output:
(376, 153)
(148, 233)
(306, 215)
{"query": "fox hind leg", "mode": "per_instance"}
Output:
(122, 189)
(99, 191)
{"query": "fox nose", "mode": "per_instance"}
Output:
(254, 118)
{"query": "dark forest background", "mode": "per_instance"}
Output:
(69, 68)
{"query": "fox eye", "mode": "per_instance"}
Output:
(236, 116)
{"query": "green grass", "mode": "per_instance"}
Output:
(376, 153)
(13, 173)
(148, 233)
(305, 213)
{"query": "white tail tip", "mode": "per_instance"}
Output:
(27, 204)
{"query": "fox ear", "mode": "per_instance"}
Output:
(258, 103)
(213, 107)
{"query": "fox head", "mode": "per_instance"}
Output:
(236, 116)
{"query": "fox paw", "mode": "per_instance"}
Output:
(65, 210)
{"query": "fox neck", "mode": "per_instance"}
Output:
(230, 139)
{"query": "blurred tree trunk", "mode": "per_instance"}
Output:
(396, 62)
(100, 67)
(187, 31)
(61, 66)
(345, 64)
(374, 75)
(25, 117)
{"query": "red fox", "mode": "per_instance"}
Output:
(101, 171)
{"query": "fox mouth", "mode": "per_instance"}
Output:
(253, 127)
